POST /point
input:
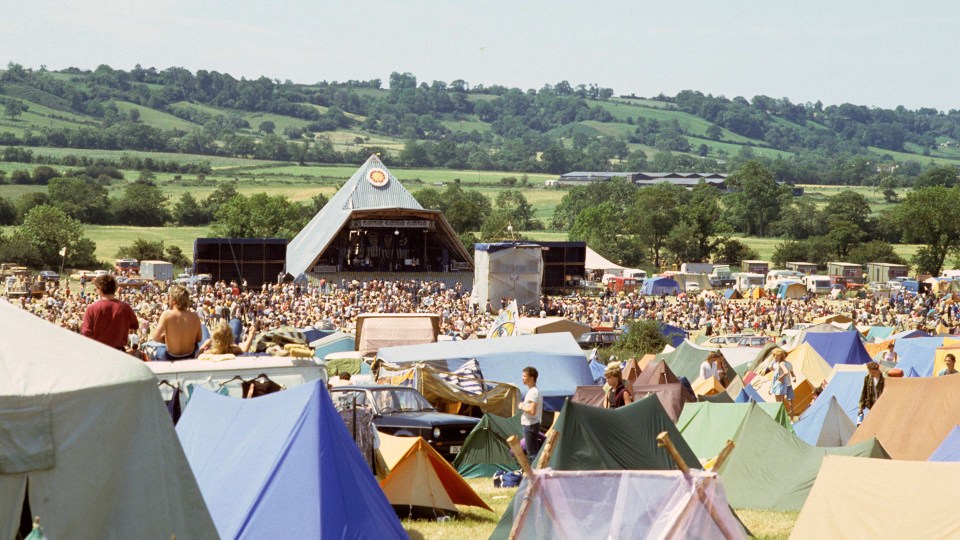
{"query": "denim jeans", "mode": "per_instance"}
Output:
(531, 437)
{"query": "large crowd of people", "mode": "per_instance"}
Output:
(336, 306)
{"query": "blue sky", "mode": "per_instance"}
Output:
(878, 53)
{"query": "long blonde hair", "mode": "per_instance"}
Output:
(221, 341)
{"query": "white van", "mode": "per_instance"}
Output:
(747, 280)
(817, 284)
(774, 277)
(634, 273)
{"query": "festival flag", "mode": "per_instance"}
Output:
(506, 322)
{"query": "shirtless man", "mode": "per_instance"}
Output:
(179, 326)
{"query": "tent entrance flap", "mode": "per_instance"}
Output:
(26, 440)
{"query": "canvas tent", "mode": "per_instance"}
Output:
(708, 426)
(918, 353)
(685, 361)
(732, 294)
(913, 415)
(595, 261)
(805, 360)
(558, 358)
(419, 480)
(336, 342)
(879, 333)
(451, 391)
(656, 286)
(507, 270)
(376, 330)
(261, 462)
(626, 504)
(839, 347)
(844, 387)
(771, 469)
(791, 289)
(85, 435)
(551, 325)
(486, 450)
(671, 395)
(949, 449)
(918, 497)
(674, 334)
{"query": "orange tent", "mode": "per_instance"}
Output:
(873, 349)
(420, 480)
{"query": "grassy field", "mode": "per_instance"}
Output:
(478, 523)
(110, 238)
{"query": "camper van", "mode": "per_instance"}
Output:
(774, 277)
(817, 284)
(639, 275)
(721, 277)
(747, 280)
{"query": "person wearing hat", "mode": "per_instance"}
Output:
(618, 395)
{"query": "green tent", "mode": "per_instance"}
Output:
(685, 361)
(879, 333)
(591, 438)
(486, 451)
(772, 469)
(708, 426)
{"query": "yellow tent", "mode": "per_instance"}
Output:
(950, 346)
(756, 293)
(803, 391)
(420, 481)
(805, 360)
(707, 387)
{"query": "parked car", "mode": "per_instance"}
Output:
(402, 411)
(100, 273)
(597, 340)
(86, 275)
(894, 285)
(692, 287)
(755, 341)
(49, 275)
(730, 340)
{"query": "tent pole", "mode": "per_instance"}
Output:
(521, 457)
(547, 449)
(727, 448)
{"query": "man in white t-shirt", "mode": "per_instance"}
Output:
(532, 409)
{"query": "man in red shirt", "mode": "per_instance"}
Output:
(109, 320)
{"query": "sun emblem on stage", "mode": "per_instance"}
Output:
(378, 177)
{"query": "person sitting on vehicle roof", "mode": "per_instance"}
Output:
(179, 326)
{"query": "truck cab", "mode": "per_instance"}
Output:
(126, 266)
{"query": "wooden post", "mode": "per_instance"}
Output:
(518, 453)
(547, 451)
(727, 448)
(663, 441)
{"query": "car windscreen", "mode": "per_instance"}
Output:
(400, 400)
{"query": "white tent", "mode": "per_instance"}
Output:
(595, 261)
(507, 270)
(84, 425)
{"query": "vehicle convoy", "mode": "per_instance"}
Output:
(402, 411)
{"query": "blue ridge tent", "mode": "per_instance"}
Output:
(660, 285)
(845, 387)
(749, 394)
(791, 289)
(560, 361)
(949, 449)
(917, 353)
(282, 466)
(333, 343)
(674, 334)
(732, 294)
(838, 347)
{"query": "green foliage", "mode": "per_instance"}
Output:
(640, 337)
(81, 198)
(259, 216)
(799, 219)
(928, 216)
(142, 204)
(14, 108)
(42, 174)
(815, 250)
(937, 176)
(655, 212)
(49, 229)
(142, 250)
(465, 210)
(188, 212)
(756, 199)
(519, 212)
(618, 191)
(177, 257)
(732, 251)
(695, 237)
(28, 201)
(875, 251)
(852, 207)
(219, 197)
(8, 212)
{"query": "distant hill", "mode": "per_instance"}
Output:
(453, 125)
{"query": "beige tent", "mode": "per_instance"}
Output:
(913, 416)
(85, 436)
(376, 330)
(837, 318)
(420, 480)
(803, 391)
(805, 360)
(551, 325)
(876, 498)
(497, 398)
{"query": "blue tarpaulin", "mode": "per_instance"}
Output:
(846, 387)
(949, 449)
(561, 364)
(917, 353)
(674, 334)
(282, 466)
(660, 285)
(838, 347)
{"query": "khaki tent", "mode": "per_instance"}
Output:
(918, 500)
(551, 325)
(913, 415)
(420, 480)
(707, 387)
(627, 504)
(708, 426)
(435, 385)
(771, 469)
(837, 318)
(85, 436)
(805, 360)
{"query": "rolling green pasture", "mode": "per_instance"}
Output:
(215, 161)
(159, 119)
(693, 124)
(110, 238)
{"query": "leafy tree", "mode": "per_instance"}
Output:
(142, 249)
(789, 250)
(49, 229)
(259, 216)
(843, 236)
(732, 251)
(694, 238)
(465, 210)
(938, 176)
(654, 214)
(515, 205)
(42, 174)
(890, 195)
(618, 191)
(756, 199)
(142, 204)
(267, 127)
(8, 212)
(188, 212)
(177, 256)
(851, 207)
(81, 198)
(219, 197)
(875, 251)
(14, 108)
(714, 132)
(20, 177)
(28, 201)
(641, 337)
(927, 216)
(799, 219)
